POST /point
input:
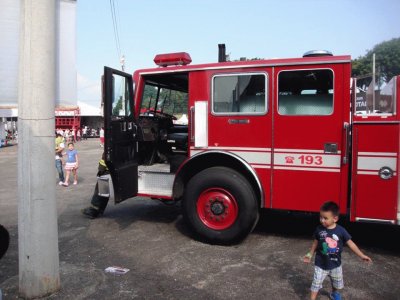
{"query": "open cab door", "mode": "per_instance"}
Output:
(120, 133)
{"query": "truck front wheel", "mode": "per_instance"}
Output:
(220, 206)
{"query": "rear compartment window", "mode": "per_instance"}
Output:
(374, 101)
(239, 94)
(305, 92)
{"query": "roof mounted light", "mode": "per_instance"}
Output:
(315, 53)
(173, 59)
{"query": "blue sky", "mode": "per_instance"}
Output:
(249, 28)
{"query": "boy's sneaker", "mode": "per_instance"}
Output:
(91, 212)
(60, 183)
(335, 296)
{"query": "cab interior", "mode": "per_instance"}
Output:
(163, 121)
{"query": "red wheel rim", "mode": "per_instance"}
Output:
(217, 208)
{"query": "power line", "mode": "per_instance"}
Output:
(116, 18)
(115, 27)
(122, 56)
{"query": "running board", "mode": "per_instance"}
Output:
(156, 168)
(375, 220)
(152, 183)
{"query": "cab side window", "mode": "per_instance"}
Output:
(381, 101)
(305, 92)
(120, 97)
(239, 94)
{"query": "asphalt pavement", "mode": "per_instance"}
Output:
(165, 262)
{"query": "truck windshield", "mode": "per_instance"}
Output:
(164, 100)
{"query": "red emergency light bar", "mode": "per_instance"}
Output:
(172, 59)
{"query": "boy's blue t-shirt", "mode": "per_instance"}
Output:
(330, 246)
(71, 156)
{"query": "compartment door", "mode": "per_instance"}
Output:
(120, 133)
(375, 172)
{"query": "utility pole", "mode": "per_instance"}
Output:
(373, 82)
(122, 61)
(37, 208)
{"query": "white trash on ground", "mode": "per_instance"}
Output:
(116, 270)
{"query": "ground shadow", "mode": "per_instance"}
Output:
(148, 210)
(279, 223)
(302, 225)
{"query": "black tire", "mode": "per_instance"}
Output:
(204, 221)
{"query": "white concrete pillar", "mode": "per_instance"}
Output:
(37, 209)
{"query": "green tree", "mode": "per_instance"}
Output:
(117, 108)
(387, 62)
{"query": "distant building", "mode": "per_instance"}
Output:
(91, 115)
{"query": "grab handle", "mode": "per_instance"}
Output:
(346, 127)
(191, 124)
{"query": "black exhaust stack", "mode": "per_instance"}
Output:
(221, 53)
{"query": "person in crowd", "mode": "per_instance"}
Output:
(73, 135)
(102, 137)
(59, 153)
(71, 164)
(84, 132)
(67, 135)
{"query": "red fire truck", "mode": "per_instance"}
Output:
(68, 118)
(278, 134)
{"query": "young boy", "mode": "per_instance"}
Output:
(328, 245)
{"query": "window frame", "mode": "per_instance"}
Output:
(265, 74)
(296, 70)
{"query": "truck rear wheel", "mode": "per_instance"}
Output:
(220, 206)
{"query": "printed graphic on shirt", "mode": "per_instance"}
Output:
(330, 245)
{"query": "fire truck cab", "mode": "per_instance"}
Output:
(230, 138)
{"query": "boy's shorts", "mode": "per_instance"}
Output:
(336, 276)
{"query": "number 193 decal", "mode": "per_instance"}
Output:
(305, 160)
(311, 160)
